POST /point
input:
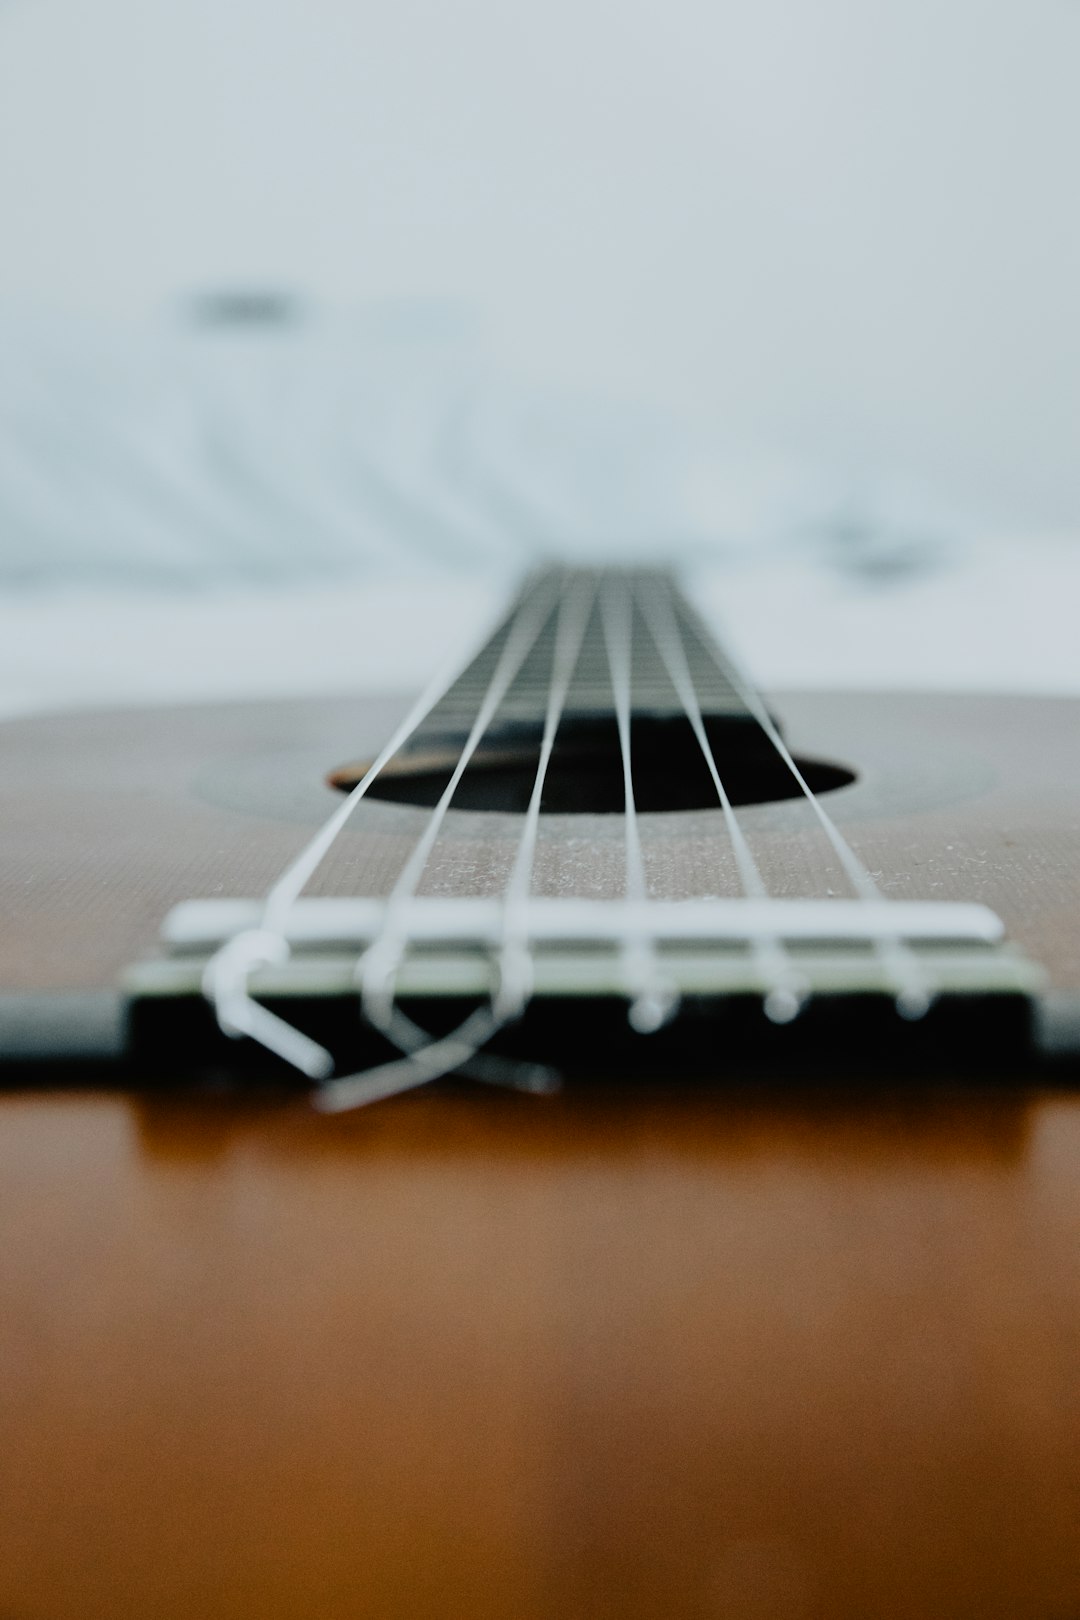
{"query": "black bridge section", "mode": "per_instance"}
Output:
(711, 1041)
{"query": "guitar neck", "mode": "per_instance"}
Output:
(590, 697)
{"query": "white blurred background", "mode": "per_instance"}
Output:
(789, 269)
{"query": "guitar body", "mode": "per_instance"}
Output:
(765, 1348)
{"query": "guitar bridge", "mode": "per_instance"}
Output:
(717, 960)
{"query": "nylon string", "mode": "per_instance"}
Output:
(379, 964)
(652, 1000)
(787, 987)
(912, 991)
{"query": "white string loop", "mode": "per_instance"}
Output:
(225, 984)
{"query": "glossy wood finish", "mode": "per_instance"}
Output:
(469, 1355)
(771, 1353)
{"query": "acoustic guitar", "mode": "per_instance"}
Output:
(592, 1143)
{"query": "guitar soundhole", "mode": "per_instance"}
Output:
(585, 776)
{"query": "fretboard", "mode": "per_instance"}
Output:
(591, 695)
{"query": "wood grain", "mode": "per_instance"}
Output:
(774, 1353)
(761, 1357)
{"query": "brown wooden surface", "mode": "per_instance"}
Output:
(107, 819)
(774, 1353)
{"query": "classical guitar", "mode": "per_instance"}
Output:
(595, 1141)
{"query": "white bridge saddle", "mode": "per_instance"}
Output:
(576, 946)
